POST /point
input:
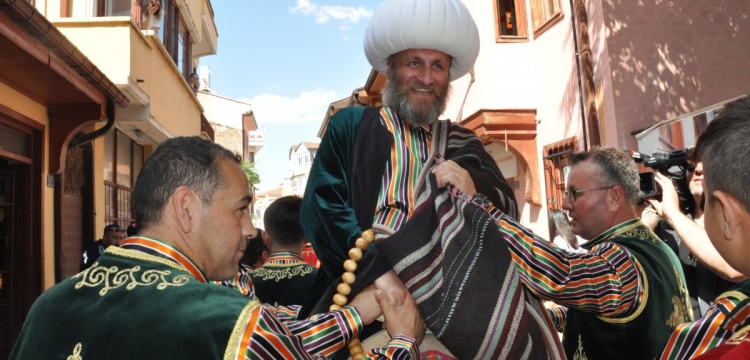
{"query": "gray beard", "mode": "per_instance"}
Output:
(396, 99)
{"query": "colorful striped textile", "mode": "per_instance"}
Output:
(727, 316)
(454, 261)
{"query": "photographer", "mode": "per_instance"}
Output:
(706, 272)
(152, 16)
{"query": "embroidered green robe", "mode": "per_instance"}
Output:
(140, 292)
(644, 333)
(285, 279)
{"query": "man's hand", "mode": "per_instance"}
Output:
(670, 203)
(367, 305)
(402, 320)
(393, 287)
(451, 173)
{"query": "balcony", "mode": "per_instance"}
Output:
(162, 105)
(151, 68)
(255, 141)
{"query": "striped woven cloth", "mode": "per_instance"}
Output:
(454, 261)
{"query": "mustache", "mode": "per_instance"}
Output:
(419, 85)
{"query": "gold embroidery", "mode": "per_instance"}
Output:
(687, 309)
(76, 353)
(140, 255)
(267, 274)
(678, 313)
(639, 232)
(109, 278)
(641, 306)
(233, 351)
(733, 293)
(580, 354)
(739, 336)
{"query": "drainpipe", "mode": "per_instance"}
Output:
(589, 118)
(76, 142)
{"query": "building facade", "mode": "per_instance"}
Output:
(54, 101)
(85, 96)
(152, 68)
(555, 77)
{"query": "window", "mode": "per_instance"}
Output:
(176, 38)
(510, 20)
(123, 159)
(671, 137)
(116, 8)
(556, 160)
(700, 122)
(544, 13)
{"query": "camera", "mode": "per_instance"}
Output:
(665, 163)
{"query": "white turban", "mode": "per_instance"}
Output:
(443, 25)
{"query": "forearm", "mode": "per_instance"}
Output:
(604, 281)
(146, 24)
(697, 242)
(322, 335)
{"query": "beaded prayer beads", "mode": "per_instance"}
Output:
(347, 279)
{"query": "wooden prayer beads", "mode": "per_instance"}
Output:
(344, 288)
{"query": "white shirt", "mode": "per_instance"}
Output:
(563, 244)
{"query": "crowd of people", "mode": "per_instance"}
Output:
(421, 251)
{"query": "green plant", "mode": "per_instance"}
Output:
(252, 176)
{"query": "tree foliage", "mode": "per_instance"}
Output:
(252, 176)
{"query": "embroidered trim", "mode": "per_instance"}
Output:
(641, 306)
(279, 274)
(140, 255)
(237, 345)
(580, 353)
(76, 353)
(739, 336)
(733, 293)
(110, 278)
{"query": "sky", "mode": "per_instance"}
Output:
(290, 59)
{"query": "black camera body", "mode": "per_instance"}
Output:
(663, 162)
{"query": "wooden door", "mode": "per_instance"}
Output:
(12, 213)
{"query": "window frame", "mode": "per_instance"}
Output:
(118, 197)
(556, 158)
(541, 22)
(521, 21)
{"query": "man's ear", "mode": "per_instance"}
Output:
(184, 203)
(615, 198)
(731, 210)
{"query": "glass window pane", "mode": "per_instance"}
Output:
(137, 161)
(181, 48)
(124, 159)
(109, 156)
(117, 8)
(14, 142)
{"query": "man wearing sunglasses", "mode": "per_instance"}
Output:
(623, 298)
(113, 234)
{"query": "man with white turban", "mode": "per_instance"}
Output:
(424, 187)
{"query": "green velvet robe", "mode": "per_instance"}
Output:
(644, 333)
(129, 292)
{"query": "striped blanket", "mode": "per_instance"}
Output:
(454, 261)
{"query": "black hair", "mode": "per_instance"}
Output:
(254, 250)
(182, 161)
(281, 221)
(724, 149)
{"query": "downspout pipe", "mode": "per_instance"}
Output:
(76, 142)
(578, 72)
